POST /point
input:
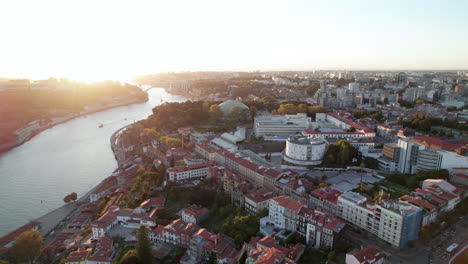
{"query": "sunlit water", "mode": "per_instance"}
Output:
(71, 157)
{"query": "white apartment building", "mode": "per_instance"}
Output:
(185, 173)
(280, 125)
(396, 222)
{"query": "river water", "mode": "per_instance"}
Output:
(71, 157)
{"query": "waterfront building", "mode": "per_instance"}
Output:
(7, 240)
(396, 222)
(302, 150)
(280, 125)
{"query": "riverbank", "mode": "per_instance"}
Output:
(8, 146)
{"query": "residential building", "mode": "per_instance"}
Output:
(195, 214)
(103, 253)
(366, 255)
(284, 212)
(396, 222)
(7, 240)
(390, 158)
(280, 125)
(184, 173)
(325, 199)
(268, 250)
(80, 256)
(320, 229)
(256, 202)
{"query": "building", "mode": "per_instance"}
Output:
(339, 135)
(320, 229)
(7, 240)
(366, 255)
(284, 212)
(280, 125)
(344, 122)
(184, 173)
(194, 214)
(80, 256)
(390, 158)
(430, 153)
(396, 222)
(268, 250)
(227, 106)
(103, 253)
(302, 150)
(325, 199)
(256, 202)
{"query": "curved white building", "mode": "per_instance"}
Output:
(303, 150)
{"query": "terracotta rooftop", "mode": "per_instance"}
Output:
(288, 203)
(367, 255)
(260, 195)
(6, 239)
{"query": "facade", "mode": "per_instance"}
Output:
(184, 173)
(256, 202)
(303, 150)
(103, 253)
(319, 229)
(194, 214)
(396, 222)
(366, 255)
(430, 153)
(280, 125)
(7, 240)
(390, 158)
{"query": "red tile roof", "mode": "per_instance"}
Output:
(367, 254)
(260, 195)
(328, 194)
(436, 143)
(286, 202)
(196, 211)
(6, 239)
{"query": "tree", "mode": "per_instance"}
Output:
(287, 109)
(253, 111)
(143, 247)
(27, 246)
(215, 112)
(302, 108)
(235, 113)
(313, 110)
(67, 199)
(130, 257)
(73, 196)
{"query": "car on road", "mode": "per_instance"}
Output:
(452, 247)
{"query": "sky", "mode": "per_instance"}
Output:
(90, 40)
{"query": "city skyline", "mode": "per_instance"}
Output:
(90, 41)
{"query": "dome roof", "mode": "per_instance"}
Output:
(228, 105)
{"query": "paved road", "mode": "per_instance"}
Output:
(432, 252)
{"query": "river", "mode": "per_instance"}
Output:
(71, 157)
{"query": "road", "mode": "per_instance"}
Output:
(433, 252)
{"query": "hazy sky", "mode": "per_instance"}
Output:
(91, 40)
